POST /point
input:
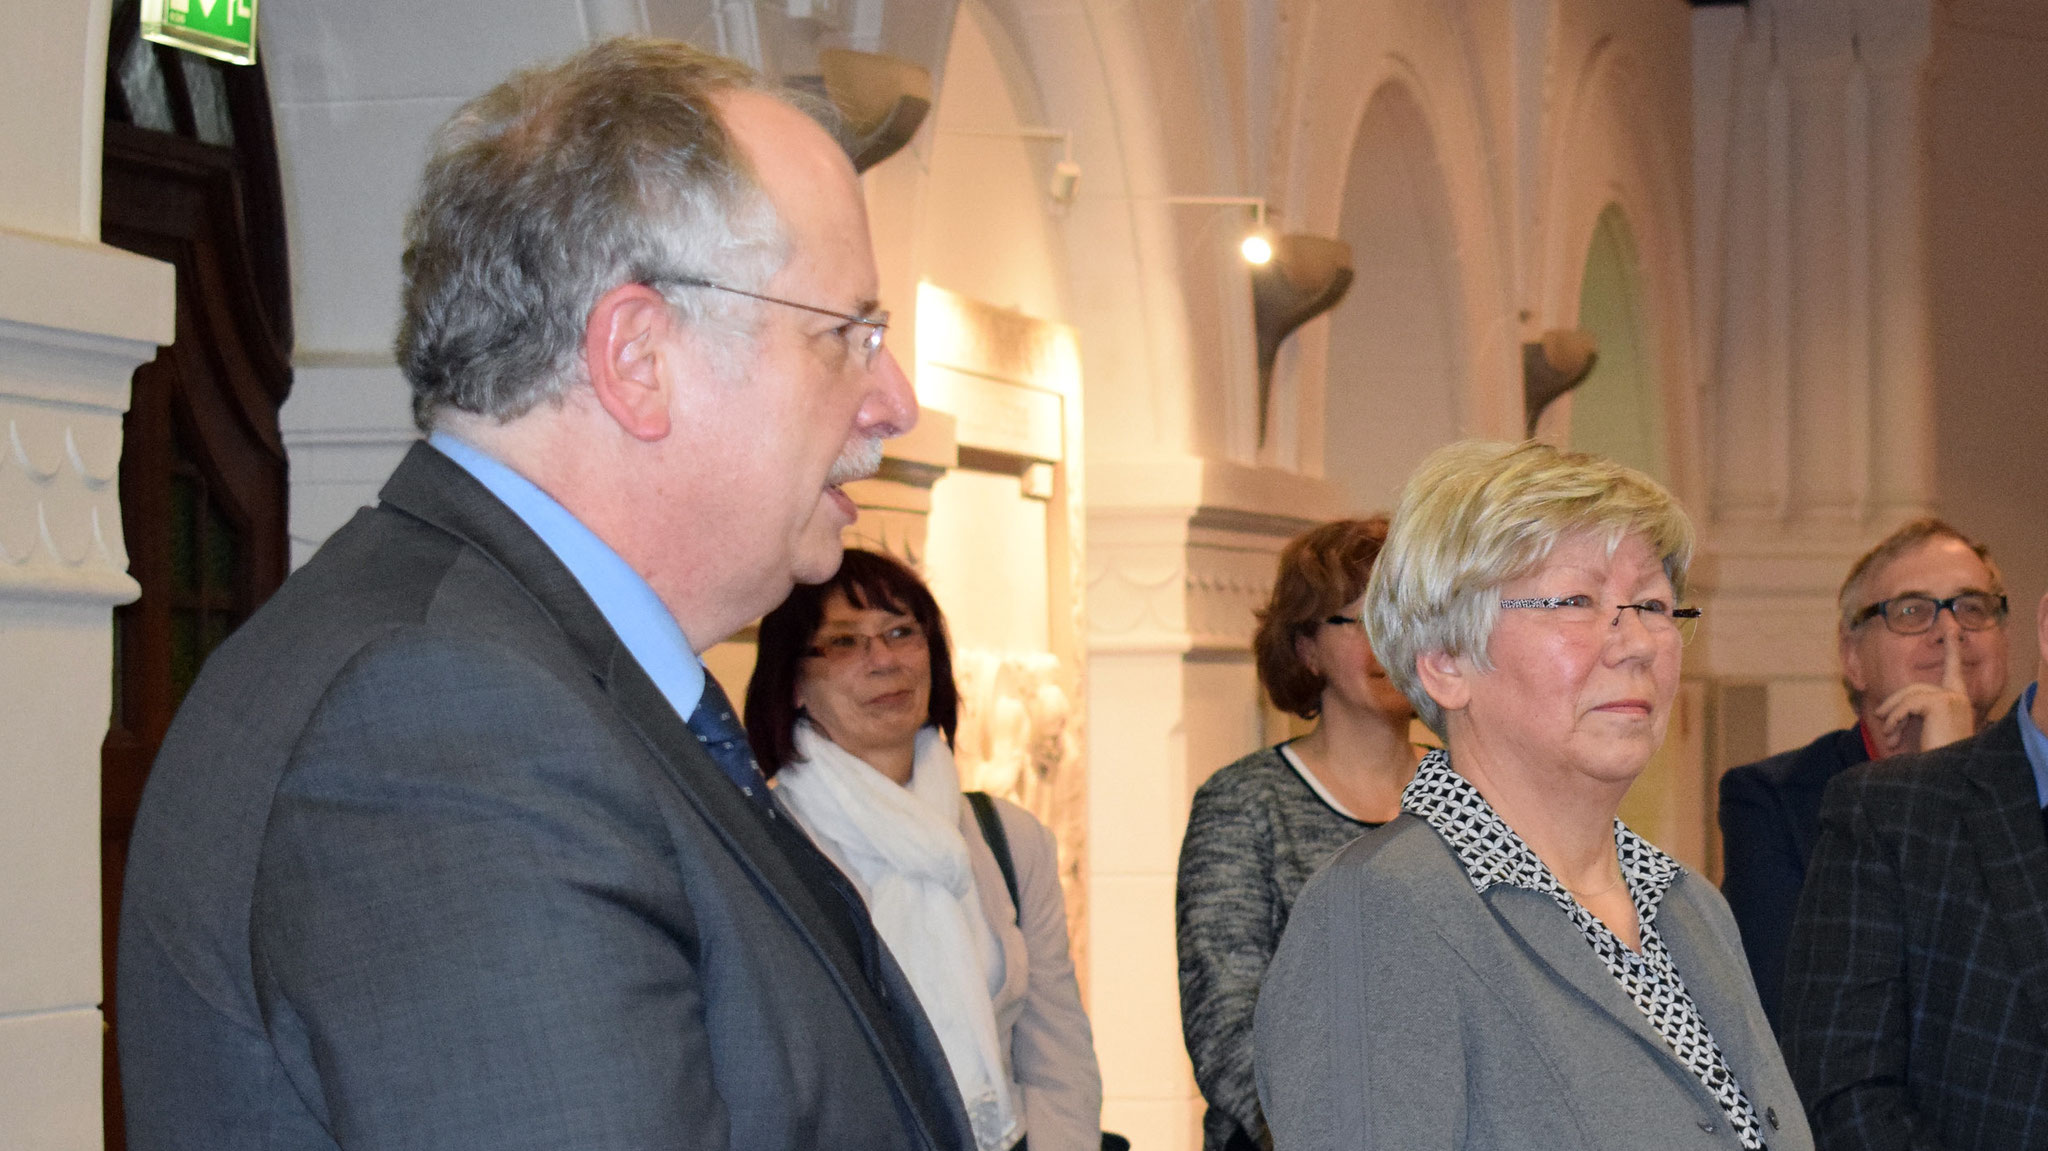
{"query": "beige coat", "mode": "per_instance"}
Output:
(1049, 1049)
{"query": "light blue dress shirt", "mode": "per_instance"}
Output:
(2035, 742)
(628, 604)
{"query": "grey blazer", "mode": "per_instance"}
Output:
(1405, 1010)
(427, 861)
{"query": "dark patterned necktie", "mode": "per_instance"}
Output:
(725, 741)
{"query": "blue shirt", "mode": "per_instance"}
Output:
(2035, 742)
(639, 618)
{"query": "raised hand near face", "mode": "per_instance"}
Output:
(1920, 716)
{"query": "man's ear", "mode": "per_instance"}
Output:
(2041, 628)
(1446, 678)
(626, 350)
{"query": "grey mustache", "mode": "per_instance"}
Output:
(861, 459)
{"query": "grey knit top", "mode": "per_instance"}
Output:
(1255, 835)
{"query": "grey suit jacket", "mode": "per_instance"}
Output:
(1405, 1010)
(1916, 995)
(428, 861)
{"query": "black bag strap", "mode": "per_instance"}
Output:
(998, 844)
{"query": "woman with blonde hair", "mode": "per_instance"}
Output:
(1504, 965)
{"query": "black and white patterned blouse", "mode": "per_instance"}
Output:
(1491, 853)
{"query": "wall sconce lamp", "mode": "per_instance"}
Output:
(1257, 246)
(1552, 365)
(1066, 175)
(1295, 278)
(1304, 277)
(882, 98)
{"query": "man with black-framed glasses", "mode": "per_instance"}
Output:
(1916, 978)
(1922, 641)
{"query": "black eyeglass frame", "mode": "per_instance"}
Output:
(1883, 609)
(870, 345)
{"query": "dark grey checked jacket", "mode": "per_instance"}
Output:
(1916, 991)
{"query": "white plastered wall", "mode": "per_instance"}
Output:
(75, 320)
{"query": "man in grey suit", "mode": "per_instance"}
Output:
(455, 844)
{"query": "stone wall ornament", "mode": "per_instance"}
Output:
(1016, 740)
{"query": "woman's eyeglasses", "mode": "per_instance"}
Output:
(845, 646)
(1655, 614)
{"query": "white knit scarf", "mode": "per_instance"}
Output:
(903, 848)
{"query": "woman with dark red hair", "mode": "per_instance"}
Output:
(1262, 826)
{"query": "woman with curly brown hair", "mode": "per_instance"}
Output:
(1261, 826)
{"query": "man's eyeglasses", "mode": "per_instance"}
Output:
(868, 342)
(1655, 614)
(1915, 614)
(844, 646)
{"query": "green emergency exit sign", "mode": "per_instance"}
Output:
(222, 29)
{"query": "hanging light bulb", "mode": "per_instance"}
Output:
(1257, 249)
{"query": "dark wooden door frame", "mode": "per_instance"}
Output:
(201, 434)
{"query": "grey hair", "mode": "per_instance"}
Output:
(1855, 593)
(559, 185)
(1476, 515)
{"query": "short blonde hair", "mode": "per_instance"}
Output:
(1476, 515)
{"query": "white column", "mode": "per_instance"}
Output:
(75, 320)
(1895, 51)
(1180, 552)
(1820, 380)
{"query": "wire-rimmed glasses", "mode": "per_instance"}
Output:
(868, 343)
(844, 646)
(1655, 614)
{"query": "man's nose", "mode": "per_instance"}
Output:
(890, 407)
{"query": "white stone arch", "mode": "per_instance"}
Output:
(1619, 411)
(1350, 56)
(987, 226)
(1600, 154)
(1395, 353)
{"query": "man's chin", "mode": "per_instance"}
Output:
(819, 561)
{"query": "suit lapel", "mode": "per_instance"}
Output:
(2004, 826)
(432, 488)
(1717, 979)
(1542, 927)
